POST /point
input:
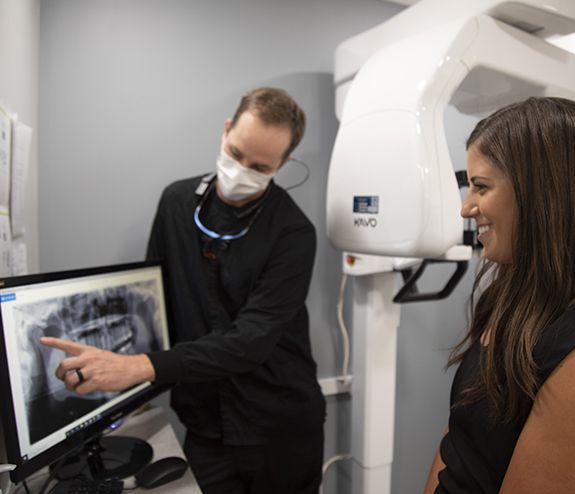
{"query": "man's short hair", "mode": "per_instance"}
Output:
(274, 106)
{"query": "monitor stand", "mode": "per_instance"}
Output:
(109, 457)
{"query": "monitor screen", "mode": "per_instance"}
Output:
(117, 308)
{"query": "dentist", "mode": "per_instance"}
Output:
(238, 254)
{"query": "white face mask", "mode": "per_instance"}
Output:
(236, 182)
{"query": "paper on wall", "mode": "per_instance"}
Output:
(21, 142)
(19, 259)
(5, 144)
(5, 246)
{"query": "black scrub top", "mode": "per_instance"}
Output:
(242, 356)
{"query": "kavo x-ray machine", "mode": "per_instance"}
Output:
(392, 190)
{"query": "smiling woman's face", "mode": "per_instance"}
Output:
(491, 203)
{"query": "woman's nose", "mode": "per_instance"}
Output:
(468, 209)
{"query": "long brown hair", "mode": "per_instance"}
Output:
(533, 143)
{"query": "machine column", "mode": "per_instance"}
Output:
(375, 324)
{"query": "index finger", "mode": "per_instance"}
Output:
(70, 347)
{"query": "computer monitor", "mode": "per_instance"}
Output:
(120, 308)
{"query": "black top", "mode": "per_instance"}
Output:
(476, 450)
(242, 355)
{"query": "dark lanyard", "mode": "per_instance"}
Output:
(203, 190)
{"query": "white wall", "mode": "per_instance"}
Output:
(133, 95)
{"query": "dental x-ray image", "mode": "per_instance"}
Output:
(123, 319)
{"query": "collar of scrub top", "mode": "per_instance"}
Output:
(202, 191)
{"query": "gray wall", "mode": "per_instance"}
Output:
(133, 95)
(19, 20)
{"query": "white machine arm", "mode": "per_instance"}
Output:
(542, 19)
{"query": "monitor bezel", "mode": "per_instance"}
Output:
(24, 468)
